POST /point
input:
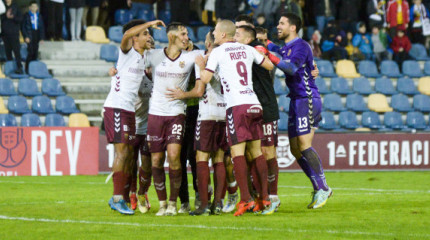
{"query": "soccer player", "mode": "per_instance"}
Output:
(244, 112)
(171, 68)
(119, 106)
(262, 35)
(305, 106)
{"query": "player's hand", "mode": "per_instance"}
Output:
(201, 62)
(113, 71)
(27, 40)
(315, 72)
(156, 23)
(175, 94)
(262, 50)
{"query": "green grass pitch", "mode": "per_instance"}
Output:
(365, 205)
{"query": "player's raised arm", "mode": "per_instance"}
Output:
(127, 43)
(205, 74)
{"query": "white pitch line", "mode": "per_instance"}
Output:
(30, 182)
(47, 202)
(150, 225)
(363, 189)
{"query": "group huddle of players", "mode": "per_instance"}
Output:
(236, 126)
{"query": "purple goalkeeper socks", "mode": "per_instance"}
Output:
(310, 162)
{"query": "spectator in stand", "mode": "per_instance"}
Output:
(401, 46)
(208, 15)
(268, 8)
(418, 13)
(349, 14)
(76, 10)
(363, 41)
(261, 21)
(376, 12)
(10, 25)
(94, 6)
(325, 11)
(288, 6)
(138, 6)
(2, 10)
(353, 53)
(334, 42)
(227, 9)
(397, 16)
(380, 44)
(315, 44)
(33, 32)
(55, 20)
(181, 11)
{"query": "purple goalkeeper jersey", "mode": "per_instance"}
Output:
(301, 83)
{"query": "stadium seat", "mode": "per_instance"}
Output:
(28, 87)
(96, 34)
(109, 53)
(38, 69)
(333, 102)
(30, 120)
(422, 103)
(371, 120)
(368, 69)
(7, 120)
(191, 34)
(340, 85)
(284, 103)
(393, 120)
(412, 69)
(390, 69)
(42, 105)
(78, 120)
(362, 85)
(348, 120)
(283, 121)
(66, 105)
(160, 35)
(52, 87)
(427, 68)
(279, 88)
(326, 68)
(416, 120)
(378, 103)
(418, 52)
(10, 68)
(424, 85)
(146, 14)
(6, 87)
(406, 86)
(346, 69)
(18, 105)
(322, 86)
(385, 86)
(115, 34)
(54, 120)
(3, 109)
(24, 52)
(355, 102)
(202, 31)
(400, 103)
(328, 122)
(165, 15)
(201, 46)
(123, 16)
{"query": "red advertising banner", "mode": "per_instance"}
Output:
(49, 151)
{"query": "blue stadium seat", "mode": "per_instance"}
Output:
(284, 103)
(109, 53)
(416, 120)
(400, 103)
(202, 31)
(66, 105)
(147, 15)
(393, 120)
(160, 35)
(10, 68)
(418, 52)
(42, 105)
(201, 46)
(385, 86)
(322, 85)
(115, 34)
(191, 34)
(28, 87)
(427, 68)
(412, 69)
(390, 69)
(348, 120)
(6, 87)
(328, 122)
(283, 121)
(165, 15)
(18, 105)
(355, 102)
(368, 69)
(422, 103)
(30, 120)
(333, 102)
(326, 68)
(52, 87)
(362, 85)
(406, 86)
(24, 52)
(371, 120)
(123, 16)
(54, 120)
(38, 69)
(279, 88)
(7, 120)
(340, 85)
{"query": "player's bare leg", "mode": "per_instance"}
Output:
(159, 176)
(233, 196)
(145, 173)
(175, 177)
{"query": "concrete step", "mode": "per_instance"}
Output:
(79, 70)
(95, 62)
(81, 80)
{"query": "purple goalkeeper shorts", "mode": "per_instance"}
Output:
(304, 114)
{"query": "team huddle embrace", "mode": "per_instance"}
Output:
(235, 127)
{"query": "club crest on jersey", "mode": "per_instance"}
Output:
(182, 64)
(289, 52)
